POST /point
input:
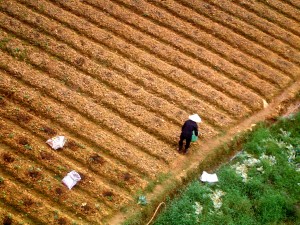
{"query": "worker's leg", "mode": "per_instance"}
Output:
(187, 144)
(181, 143)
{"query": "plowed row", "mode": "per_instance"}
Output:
(118, 78)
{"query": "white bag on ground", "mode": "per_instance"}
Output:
(56, 142)
(206, 177)
(71, 179)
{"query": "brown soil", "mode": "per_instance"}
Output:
(71, 144)
(62, 221)
(46, 156)
(49, 131)
(97, 159)
(7, 158)
(28, 202)
(118, 78)
(59, 191)
(7, 221)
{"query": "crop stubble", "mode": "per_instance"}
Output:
(118, 78)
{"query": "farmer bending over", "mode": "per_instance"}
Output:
(187, 131)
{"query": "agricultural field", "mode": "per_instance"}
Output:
(118, 78)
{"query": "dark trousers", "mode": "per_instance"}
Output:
(187, 142)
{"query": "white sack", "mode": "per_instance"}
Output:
(71, 179)
(206, 177)
(56, 142)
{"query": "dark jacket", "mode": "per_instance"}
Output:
(188, 127)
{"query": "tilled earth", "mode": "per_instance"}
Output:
(118, 78)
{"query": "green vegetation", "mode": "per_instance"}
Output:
(28, 146)
(161, 177)
(261, 185)
(4, 41)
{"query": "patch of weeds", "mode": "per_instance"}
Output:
(57, 177)
(17, 167)
(20, 54)
(161, 177)
(11, 135)
(28, 147)
(42, 7)
(138, 193)
(27, 97)
(105, 62)
(122, 184)
(62, 168)
(81, 146)
(20, 202)
(150, 186)
(56, 216)
(3, 42)
(1, 180)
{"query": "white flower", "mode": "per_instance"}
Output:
(198, 208)
(270, 159)
(285, 133)
(260, 169)
(216, 198)
(251, 161)
(242, 170)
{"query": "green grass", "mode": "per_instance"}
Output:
(161, 177)
(268, 193)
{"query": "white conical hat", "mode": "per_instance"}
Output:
(195, 117)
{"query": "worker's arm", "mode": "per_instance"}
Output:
(196, 130)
